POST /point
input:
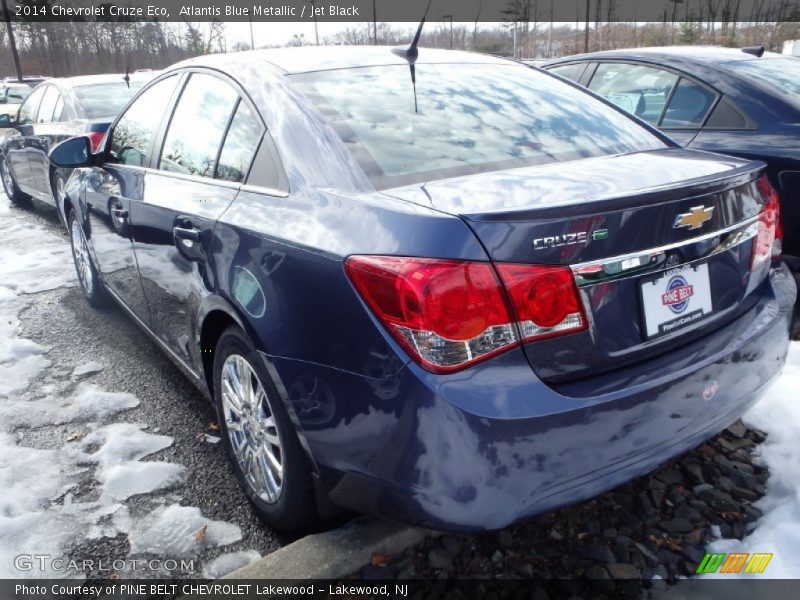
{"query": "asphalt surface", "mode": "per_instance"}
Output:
(77, 334)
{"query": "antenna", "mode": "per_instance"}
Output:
(411, 53)
(757, 51)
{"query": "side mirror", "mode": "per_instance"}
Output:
(72, 153)
(6, 121)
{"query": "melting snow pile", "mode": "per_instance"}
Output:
(778, 531)
(42, 509)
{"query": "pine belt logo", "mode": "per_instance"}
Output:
(677, 295)
(736, 562)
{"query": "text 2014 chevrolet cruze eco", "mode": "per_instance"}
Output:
(447, 289)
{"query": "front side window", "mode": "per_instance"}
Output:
(464, 119)
(198, 124)
(639, 90)
(572, 71)
(240, 145)
(135, 130)
(28, 110)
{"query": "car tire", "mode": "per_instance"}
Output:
(92, 287)
(15, 195)
(259, 437)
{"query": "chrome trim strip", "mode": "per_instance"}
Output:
(598, 271)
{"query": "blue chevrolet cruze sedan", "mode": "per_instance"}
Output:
(443, 288)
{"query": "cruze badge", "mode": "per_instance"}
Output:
(555, 241)
(569, 239)
(695, 218)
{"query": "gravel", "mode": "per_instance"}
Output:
(105, 348)
(646, 533)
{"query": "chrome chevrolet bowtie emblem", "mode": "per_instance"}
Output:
(695, 218)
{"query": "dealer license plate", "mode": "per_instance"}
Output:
(676, 299)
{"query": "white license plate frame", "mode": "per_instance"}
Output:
(676, 299)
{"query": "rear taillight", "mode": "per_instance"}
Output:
(96, 138)
(450, 314)
(544, 298)
(767, 243)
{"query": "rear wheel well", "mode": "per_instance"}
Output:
(214, 324)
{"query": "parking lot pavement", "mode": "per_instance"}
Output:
(103, 447)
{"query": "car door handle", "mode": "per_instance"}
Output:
(188, 235)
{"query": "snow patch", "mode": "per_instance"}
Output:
(778, 531)
(88, 404)
(89, 368)
(129, 479)
(228, 563)
(181, 531)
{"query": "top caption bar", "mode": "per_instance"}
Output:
(469, 11)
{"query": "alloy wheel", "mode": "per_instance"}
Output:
(251, 428)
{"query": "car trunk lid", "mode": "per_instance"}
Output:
(659, 243)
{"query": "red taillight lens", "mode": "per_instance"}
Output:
(451, 314)
(96, 138)
(447, 314)
(767, 243)
(545, 300)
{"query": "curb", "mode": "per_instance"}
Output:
(333, 554)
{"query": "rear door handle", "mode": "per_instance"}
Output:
(188, 235)
(119, 213)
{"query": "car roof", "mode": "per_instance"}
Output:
(83, 80)
(321, 58)
(683, 54)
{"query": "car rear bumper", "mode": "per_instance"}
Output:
(491, 445)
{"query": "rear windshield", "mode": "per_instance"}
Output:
(469, 118)
(779, 74)
(102, 100)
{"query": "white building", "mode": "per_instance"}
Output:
(791, 47)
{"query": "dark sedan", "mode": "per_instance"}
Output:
(443, 288)
(54, 111)
(744, 103)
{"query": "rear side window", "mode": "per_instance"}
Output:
(637, 89)
(58, 111)
(48, 106)
(198, 125)
(688, 106)
(28, 110)
(240, 145)
(727, 115)
(135, 130)
(464, 119)
(572, 71)
(105, 100)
